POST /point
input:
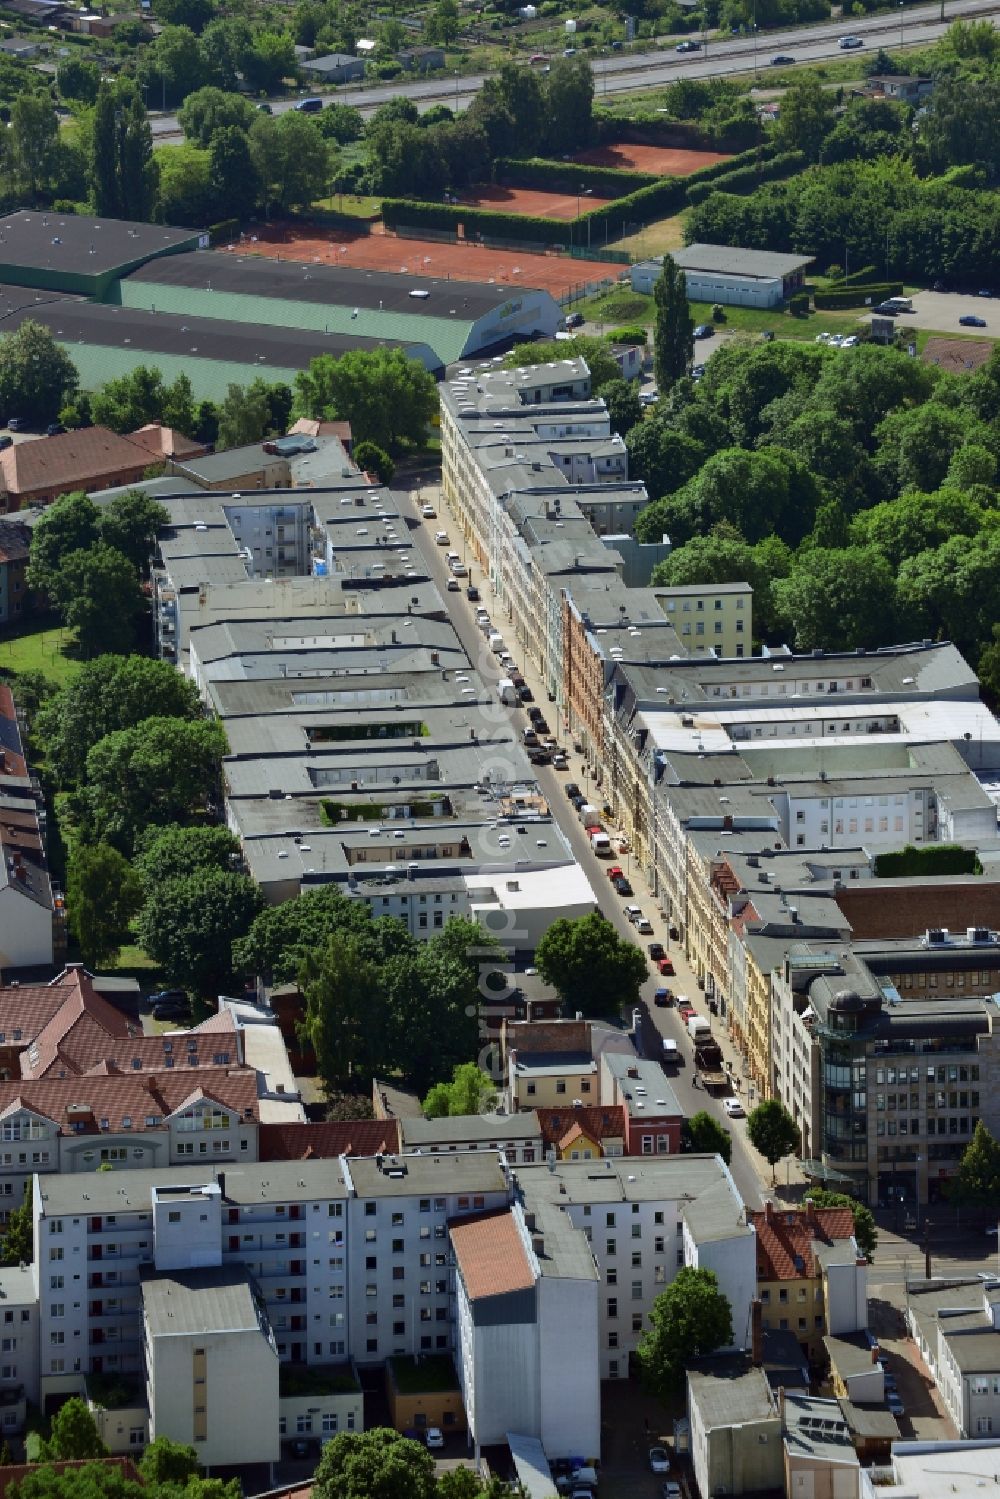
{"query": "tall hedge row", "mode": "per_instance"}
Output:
(745, 179)
(857, 296)
(563, 176)
(666, 195)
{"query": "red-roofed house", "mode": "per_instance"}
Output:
(328, 1139)
(35, 473)
(810, 1277)
(162, 442)
(583, 1133)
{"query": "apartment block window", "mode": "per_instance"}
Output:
(612, 1340)
(611, 1247)
(637, 1290)
(612, 1306)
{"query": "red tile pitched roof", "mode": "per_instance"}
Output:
(26, 1010)
(74, 460)
(786, 1236)
(132, 1097)
(328, 1139)
(490, 1256)
(597, 1124)
(166, 442)
(85, 1046)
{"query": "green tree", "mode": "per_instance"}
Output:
(953, 591)
(865, 1232)
(103, 893)
(569, 103)
(185, 195)
(130, 401)
(31, 144)
(376, 1464)
(807, 115)
(664, 458)
(915, 446)
(282, 937)
(977, 1181)
(97, 595)
(18, 1237)
(772, 1131)
(173, 66)
(233, 176)
(269, 61)
(342, 123)
(915, 522)
(224, 47)
(162, 771)
(374, 460)
(388, 398)
(108, 694)
(166, 1462)
(346, 1020)
(838, 599)
(244, 415)
(69, 524)
(78, 79)
(171, 853)
(624, 407)
(130, 523)
(211, 109)
(673, 331)
(189, 925)
(123, 174)
(689, 1319)
(73, 1434)
(293, 161)
(759, 493)
(470, 1092)
(519, 94)
(703, 1133)
(193, 13)
(37, 376)
(594, 969)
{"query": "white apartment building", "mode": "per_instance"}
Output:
(644, 1219)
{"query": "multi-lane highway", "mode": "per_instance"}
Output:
(630, 72)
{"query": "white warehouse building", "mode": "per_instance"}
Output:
(729, 274)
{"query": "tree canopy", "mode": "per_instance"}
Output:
(772, 1131)
(471, 1091)
(690, 1318)
(593, 969)
(36, 374)
(703, 1133)
(977, 1181)
(388, 398)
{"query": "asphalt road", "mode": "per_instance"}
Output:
(630, 72)
(656, 1023)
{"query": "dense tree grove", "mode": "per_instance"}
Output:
(856, 491)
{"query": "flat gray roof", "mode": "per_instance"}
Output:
(184, 1303)
(423, 1134)
(463, 1171)
(729, 1393)
(243, 1184)
(80, 245)
(730, 260)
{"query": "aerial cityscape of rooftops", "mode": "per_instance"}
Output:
(499, 765)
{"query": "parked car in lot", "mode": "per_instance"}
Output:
(644, 926)
(559, 760)
(704, 330)
(571, 789)
(964, 322)
(656, 951)
(442, 538)
(454, 586)
(575, 320)
(428, 512)
(663, 999)
(666, 967)
(472, 594)
(168, 996)
(659, 1460)
(632, 913)
(434, 1438)
(172, 1009)
(622, 887)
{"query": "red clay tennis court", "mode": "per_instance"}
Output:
(659, 159)
(534, 202)
(424, 257)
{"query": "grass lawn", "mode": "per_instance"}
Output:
(622, 305)
(40, 647)
(434, 1373)
(350, 204)
(781, 324)
(655, 239)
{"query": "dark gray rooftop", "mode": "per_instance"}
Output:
(79, 245)
(258, 347)
(389, 291)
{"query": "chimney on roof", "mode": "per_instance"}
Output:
(756, 1332)
(768, 1210)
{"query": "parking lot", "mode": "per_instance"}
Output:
(940, 311)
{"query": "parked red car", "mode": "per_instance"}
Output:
(666, 967)
(616, 872)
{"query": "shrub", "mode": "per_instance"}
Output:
(857, 296)
(637, 337)
(934, 859)
(798, 305)
(224, 230)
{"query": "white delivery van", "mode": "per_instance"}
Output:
(601, 844)
(506, 692)
(699, 1028)
(496, 643)
(670, 1051)
(588, 815)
